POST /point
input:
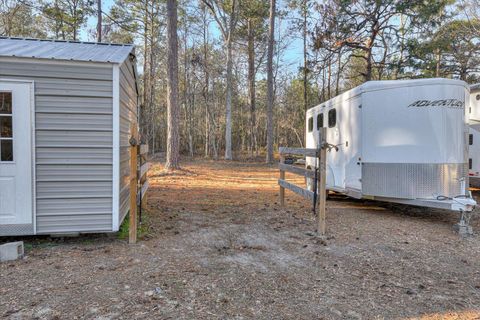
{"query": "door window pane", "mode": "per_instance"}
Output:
(5, 102)
(6, 150)
(5, 126)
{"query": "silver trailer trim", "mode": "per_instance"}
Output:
(414, 180)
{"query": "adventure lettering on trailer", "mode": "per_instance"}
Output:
(448, 103)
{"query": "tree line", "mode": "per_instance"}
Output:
(247, 70)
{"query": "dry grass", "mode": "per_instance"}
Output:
(220, 247)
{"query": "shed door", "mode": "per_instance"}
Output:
(16, 185)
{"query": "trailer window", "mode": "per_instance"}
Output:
(310, 124)
(332, 118)
(470, 164)
(319, 121)
(470, 139)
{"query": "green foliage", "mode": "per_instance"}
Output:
(143, 228)
(364, 28)
(65, 18)
(452, 51)
(255, 11)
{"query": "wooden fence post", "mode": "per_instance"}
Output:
(132, 231)
(282, 177)
(321, 228)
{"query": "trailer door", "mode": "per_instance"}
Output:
(344, 125)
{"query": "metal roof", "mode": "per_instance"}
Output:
(64, 50)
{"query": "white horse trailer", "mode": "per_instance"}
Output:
(474, 137)
(397, 141)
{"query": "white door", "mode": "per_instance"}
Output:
(16, 185)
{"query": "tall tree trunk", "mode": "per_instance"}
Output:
(145, 58)
(323, 92)
(369, 52)
(251, 88)
(99, 20)
(227, 26)
(339, 72)
(214, 127)
(305, 101)
(173, 138)
(207, 128)
(186, 88)
(228, 111)
(207, 79)
(368, 73)
(329, 81)
(191, 114)
(381, 68)
(438, 60)
(399, 65)
(270, 97)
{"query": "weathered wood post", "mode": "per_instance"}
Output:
(321, 227)
(282, 177)
(132, 230)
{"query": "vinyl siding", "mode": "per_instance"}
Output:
(73, 124)
(128, 115)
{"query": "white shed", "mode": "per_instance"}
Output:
(66, 111)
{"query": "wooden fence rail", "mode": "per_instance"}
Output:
(320, 155)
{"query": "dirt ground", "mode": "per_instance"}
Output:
(219, 246)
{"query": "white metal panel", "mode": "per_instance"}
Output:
(343, 166)
(127, 116)
(81, 139)
(75, 206)
(474, 151)
(73, 87)
(74, 156)
(74, 122)
(66, 104)
(412, 125)
(74, 223)
(116, 150)
(474, 108)
(74, 172)
(73, 189)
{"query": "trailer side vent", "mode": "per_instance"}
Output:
(332, 118)
(470, 139)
